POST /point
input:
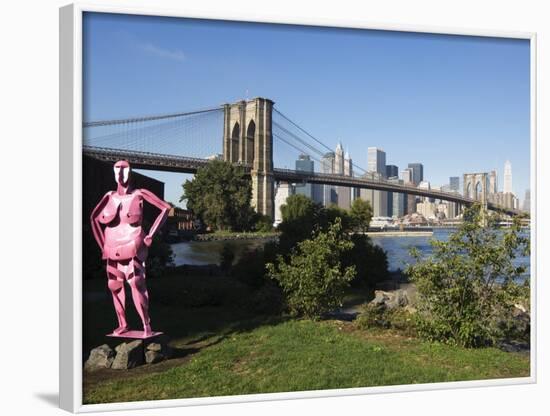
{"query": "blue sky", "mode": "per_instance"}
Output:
(457, 104)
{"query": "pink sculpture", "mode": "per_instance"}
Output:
(124, 244)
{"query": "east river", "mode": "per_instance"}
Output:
(397, 248)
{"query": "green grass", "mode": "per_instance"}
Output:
(298, 355)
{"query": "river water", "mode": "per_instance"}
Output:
(397, 248)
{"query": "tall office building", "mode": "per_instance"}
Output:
(410, 200)
(345, 194)
(527, 201)
(282, 192)
(378, 200)
(392, 171)
(398, 200)
(304, 164)
(376, 160)
(417, 172)
(493, 182)
(376, 163)
(507, 177)
(454, 183)
(328, 192)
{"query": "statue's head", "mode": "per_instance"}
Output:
(122, 172)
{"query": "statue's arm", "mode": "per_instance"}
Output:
(163, 206)
(97, 230)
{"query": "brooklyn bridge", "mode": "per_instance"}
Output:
(251, 133)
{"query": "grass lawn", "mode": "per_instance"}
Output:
(292, 355)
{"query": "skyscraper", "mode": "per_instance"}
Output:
(454, 182)
(376, 163)
(327, 166)
(493, 186)
(392, 171)
(417, 172)
(304, 164)
(345, 193)
(376, 160)
(410, 200)
(527, 201)
(507, 177)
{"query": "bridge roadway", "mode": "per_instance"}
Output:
(184, 164)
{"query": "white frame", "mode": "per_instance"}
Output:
(70, 205)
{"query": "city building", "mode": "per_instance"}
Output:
(410, 200)
(346, 194)
(397, 201)
(392, 171)
(181, 220)
(328, 192)
(305, 164)
(527, 201)
(376, 160)
(282, 192)
(507, 177)
(493, 185)
(454, 183)
(377, 199)
(417, 172)
(376, 163)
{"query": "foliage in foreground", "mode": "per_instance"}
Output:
(314, 279)
(468, 286)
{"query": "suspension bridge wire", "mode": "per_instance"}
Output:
(312, 137)
(294, 146)
(295, 137)
(146, 118)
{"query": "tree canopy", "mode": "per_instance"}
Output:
(219, 195)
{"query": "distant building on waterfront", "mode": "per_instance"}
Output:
(507, 177)
(527, 201)
(282, 192)
(376, 164)
(410, 200)
(454, 183)
(493, 184)
(345, 193)
(417, 172)
(328, 192)
(397, 201)
(392, 171)
(305, 164)
(378, 200)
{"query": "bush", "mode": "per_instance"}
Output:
(227, 256)
(262, 223)
(313, 280)
(379, 316)
(370, 261)
(469, 283)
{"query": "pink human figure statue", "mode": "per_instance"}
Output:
(117, 228)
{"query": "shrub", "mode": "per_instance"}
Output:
(313, 280)
(469, 282)
(370, 261)
(379, 316)
(262, 223)
(227, 256)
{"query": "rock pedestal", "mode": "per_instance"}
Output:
(100, 357)
(129, 355)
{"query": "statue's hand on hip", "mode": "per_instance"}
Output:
(148, 240)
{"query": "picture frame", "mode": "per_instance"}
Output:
(71, 121)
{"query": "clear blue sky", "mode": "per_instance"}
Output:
(456, 104)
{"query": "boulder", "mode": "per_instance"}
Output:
(160, 346)
(100, 357)
(129, 355)
(152, 357)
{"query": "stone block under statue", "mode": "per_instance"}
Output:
(124, 243)
(135, 334)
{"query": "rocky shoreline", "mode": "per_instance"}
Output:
(236, 236)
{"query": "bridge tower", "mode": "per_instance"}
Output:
(247, 139)
(476, 187)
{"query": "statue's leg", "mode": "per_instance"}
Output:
(140, 296)
(116, 286)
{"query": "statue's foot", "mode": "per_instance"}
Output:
(147, 330)
(120, 330)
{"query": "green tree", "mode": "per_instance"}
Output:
(313, 280)
(468, 286)
(219, 195)
(300, 217)
(329, 214)
(361, 214)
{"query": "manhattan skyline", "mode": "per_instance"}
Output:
(456, 104)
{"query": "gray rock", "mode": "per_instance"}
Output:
(100, 357)
(129, 355)
(160, 345)
(154, 346)
(152, 357)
